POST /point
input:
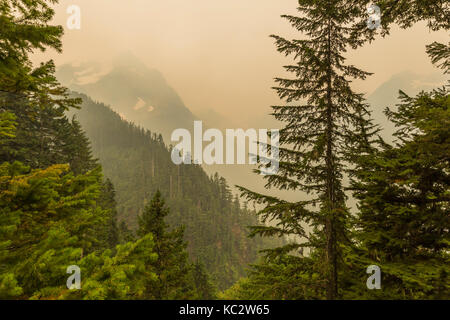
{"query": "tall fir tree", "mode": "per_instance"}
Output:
(172, 268)
(321, 113)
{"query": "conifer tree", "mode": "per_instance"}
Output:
(203, 285)
(403, 192)
(172, 268)
(320, 116)
(44, 136)
(108, 232)
(404, 201)
(125, 234)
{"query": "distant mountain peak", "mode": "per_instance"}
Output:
(128, 60)
(386, 95)
(129, 64)
(137, 92)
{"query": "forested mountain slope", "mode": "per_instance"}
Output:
(140, 94)
(138, 163)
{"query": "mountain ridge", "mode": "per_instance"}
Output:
(139, 94)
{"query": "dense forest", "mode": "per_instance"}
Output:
(80, 186)
(138, 164)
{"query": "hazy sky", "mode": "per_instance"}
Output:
(218, 54)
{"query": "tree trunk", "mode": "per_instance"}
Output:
(330, 225)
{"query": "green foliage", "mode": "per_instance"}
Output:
(44, 136)
(33, 95)
(204, 287)
(440, 55)
(402, 13)
(285, 278)
(125, 234)
(7, 125)
(108, 233)
(47, 220)
(125, 274)
(172, 268)
(404, 197)
(322, 116)
(407, 12)
(24, 28)
(139, 163)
